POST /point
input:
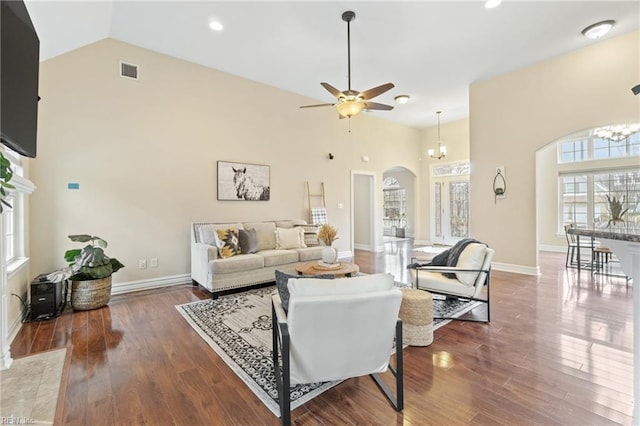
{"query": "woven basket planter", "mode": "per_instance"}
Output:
(93, 294)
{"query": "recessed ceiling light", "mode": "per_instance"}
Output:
(402, 99)
(490, 4)
(216, 26)
(598, 29)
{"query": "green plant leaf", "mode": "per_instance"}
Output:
(81, 238)
(115, 264)
(70, 255)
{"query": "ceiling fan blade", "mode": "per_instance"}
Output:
(335, 92)
(372, 93)
(375, 105)
(317, 105)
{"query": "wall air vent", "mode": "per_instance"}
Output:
(128, 70)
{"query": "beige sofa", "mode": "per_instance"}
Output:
(217, 274)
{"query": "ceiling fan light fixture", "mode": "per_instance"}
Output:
(349, 108)
(599, 29)
(402, 99)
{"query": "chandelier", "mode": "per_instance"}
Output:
(442, 150)
(616, 133)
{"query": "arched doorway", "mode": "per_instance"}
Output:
(399, 203)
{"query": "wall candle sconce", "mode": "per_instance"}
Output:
(499, 184)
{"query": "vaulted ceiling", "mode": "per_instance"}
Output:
(431, 51)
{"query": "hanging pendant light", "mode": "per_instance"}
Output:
(442, 150)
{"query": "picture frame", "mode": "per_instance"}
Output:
(243, 181)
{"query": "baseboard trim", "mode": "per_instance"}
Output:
(517, 269)
(131, 286)
(555, 249)
(345, 254)
(365, 247)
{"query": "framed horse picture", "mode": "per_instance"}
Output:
(243, 182)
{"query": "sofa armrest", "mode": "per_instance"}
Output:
(201, 254)
(205, 252)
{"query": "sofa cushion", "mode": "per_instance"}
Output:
(291, 238)
(472, 257)
(239, 263)
(278, 257)
(289, 223)
(435, 281)
(282, 279)
(248, 240)
(228, 242)
(309, 253)
(265, 232)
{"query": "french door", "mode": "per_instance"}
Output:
(450, 204)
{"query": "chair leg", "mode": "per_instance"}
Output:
(398, 401)
(283, 381)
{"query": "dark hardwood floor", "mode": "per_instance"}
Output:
(558, 351)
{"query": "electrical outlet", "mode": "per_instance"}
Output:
(154, 262)
(142, 263)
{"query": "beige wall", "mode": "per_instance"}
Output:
(514, 115)
(144, 153)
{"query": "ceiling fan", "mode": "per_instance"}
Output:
(351, 102)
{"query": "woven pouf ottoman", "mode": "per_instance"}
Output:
(416, 313)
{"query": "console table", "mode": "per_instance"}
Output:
(626, 247)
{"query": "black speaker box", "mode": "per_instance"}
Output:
(46, 298)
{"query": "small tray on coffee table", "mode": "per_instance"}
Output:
(346, 269)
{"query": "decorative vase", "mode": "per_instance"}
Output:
(92, 294)
(329, 255)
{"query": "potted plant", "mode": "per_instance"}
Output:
(90, 271)
(615, 209)
(328, 234)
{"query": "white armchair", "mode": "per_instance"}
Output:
(465, 281)
(334, 330)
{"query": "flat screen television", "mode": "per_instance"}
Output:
(19, 66)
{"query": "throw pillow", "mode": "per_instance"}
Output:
(289, 238)
(229, 242)
(248, 240)
(282, 278)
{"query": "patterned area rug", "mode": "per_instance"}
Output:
(238, 329)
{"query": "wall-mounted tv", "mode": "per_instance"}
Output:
(19, 66)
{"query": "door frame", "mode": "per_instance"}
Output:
(373, 219)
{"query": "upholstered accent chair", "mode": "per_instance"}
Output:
(335, 330)
(465, 281)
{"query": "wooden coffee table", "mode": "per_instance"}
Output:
(311, 268)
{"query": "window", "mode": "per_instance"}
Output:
(574, 200)
(584, 197)
(9, 231)
(13, 219)
(593, 147)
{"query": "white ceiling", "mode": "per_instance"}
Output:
(431, 51)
